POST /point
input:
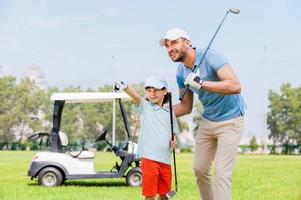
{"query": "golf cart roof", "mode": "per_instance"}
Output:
(79, 97)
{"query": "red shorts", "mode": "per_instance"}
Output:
(156, 177)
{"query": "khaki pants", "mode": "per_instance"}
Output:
(219, 141)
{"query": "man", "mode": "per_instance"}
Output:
(221, 124)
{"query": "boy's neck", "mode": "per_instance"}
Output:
(160, 104)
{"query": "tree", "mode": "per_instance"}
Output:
(253, 144)
(197, 110)
(20, 104)
(183, 126)
(71, 123)
(8, 96)
(27, 108)
(284, 117)
(47, 108)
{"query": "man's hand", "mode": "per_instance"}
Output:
(193, 80)
(120, 85)
(174, 143)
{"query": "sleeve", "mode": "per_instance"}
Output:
(180, 78)
(141, 107)
(216, 60)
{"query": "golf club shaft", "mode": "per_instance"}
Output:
(175, 169)
(195, 67)
(172, 137)
(125, 119)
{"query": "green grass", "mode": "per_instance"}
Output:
(255, 177)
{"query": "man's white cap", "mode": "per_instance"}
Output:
(156, 82)
(174, 34)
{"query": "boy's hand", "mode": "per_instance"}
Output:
(120, 85)
(174, 143)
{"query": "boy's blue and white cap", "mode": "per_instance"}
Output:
(174, 34)
(156, 82)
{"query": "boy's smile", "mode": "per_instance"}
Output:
(155, 95)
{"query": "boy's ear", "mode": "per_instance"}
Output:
(165, 91)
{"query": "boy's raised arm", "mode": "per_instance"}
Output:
(129, 90)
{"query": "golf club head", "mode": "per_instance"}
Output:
(234, 10)
(171, 194)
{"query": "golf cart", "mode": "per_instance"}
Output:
(54, 167)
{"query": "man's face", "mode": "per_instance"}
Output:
(177, 49)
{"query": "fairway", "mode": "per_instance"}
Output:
(255, 178)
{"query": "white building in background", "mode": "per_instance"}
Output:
(36, 74)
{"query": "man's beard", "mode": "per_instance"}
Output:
(181, 58)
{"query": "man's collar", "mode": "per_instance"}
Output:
(195, 59)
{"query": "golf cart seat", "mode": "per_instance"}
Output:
(78, 154)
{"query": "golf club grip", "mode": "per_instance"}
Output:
(184, 92)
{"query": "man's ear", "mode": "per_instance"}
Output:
(187, 42)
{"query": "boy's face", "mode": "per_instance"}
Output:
(155, 95)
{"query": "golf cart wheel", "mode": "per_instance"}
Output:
(134, 177)
(50, 177)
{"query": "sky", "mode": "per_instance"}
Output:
(92, 43)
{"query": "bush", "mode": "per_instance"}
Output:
(186, 150)
(23, 146)
(288, 149)
(107, 149)
(100, 147)
(3, 145)
(34, 147)
(273, 149)
(244, 148)
(14, 146)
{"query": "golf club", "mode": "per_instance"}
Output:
(172, 193)
(195, 67)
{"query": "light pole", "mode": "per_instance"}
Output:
(266, 96)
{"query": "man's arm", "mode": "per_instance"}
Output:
(185, 106)
(228, 83)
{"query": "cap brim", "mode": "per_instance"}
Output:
(154, 86)
(162, 41)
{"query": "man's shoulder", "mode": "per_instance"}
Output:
(210, 52)
(214, 53)
(181, 69)
(180, 65)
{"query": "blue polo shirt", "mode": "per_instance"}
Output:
(155, 132)
(217, 107)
